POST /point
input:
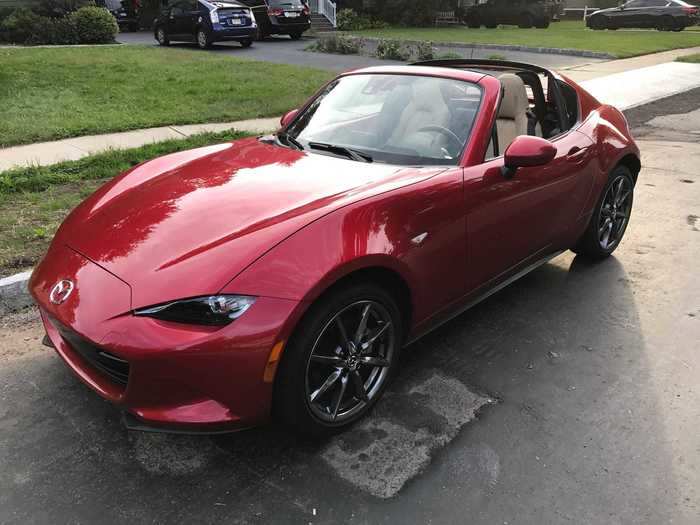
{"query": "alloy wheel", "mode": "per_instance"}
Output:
(350, 361)
(614, 212)
(202, 39)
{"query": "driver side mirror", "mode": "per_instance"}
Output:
(527, 151)
(288, 117)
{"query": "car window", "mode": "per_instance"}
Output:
(396, 119)
(634, 4)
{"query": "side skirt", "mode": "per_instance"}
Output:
(472, 299)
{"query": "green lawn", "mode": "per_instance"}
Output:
(34, 200)
(64, 92)
(693, 59)
(565, 34)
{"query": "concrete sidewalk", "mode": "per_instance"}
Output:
(45, 153)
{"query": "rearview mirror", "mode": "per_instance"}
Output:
(526, 151)
(288, 117)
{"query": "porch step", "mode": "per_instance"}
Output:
(320, 23)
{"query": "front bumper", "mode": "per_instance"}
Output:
(177, 377)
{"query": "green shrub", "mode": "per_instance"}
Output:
(392, 50)
(410, 12)
(425, 51)
(340, 44)
(59, 8)
(349, 20)
(47, 30)
(18, 27)
(94, 25)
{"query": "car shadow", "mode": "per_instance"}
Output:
(561, 350)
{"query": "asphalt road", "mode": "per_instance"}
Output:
(569, 397)
(282, 50)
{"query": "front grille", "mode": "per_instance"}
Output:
(115, 368)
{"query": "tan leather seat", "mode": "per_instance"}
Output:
(512, 115)
(426, 108)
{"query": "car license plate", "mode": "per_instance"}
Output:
(291, 14)
(123, 15)
(235, 22)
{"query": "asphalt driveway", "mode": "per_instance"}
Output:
(282, 50)
(569, 397)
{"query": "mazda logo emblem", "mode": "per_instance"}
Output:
(61, 291)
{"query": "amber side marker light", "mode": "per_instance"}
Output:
(272, 362)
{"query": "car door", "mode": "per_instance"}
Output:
(514, 221)
(183, 18)
(632, 14)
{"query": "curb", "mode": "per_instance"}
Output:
(14, 294)
(500, 47)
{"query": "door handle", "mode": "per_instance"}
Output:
(576, 154)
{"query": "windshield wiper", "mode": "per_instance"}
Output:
(341, 150)
(289, 140)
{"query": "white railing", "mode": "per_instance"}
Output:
(326, 8)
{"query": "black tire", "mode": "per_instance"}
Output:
(260, 35)
(246, 43)
(543, 23)
(591, 244)
(203, 38)
(300, 378)
(526, 21)
(491, 25)
(598, 23)
(666, 23)
(162, 36)
(134, 27)
(678, 29)
(473, 21)
(295, 36)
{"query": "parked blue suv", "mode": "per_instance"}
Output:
(205, 22)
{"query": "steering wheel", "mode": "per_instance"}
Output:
(445, 132)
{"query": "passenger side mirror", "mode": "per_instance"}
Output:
(526, 151)
(288, 117)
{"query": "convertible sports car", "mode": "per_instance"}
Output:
(280, 276)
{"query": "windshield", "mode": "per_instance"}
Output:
(396, 119)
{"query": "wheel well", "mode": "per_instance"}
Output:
(632, 163)
(385, 278)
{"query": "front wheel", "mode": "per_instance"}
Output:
(542, 23)
(203, 38)
(473, 21)
(247, 43)
(610, 218)
(295, 36)
(162, 37)
(339, 361)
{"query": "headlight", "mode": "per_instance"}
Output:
(215, 310)
(214, 16)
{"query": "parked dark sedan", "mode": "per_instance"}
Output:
(281, 17)
(205, 22)
(523, 13)
(664, 15)
(126, 12)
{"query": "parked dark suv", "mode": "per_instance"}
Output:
(523, 13)
(205, 22)
(664, 15)
(281, 17)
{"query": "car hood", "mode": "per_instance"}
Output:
(185, 224)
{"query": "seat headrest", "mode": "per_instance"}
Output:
(514, 101)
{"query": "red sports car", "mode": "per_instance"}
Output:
(280, 276)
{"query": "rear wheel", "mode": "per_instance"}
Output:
(526, 21)
(247, 43)
(339, 360)
(203, 38)
(666, 23)
(610, 218)
(162, 37)
(543, 23)
(295, 36)
(598, 23)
